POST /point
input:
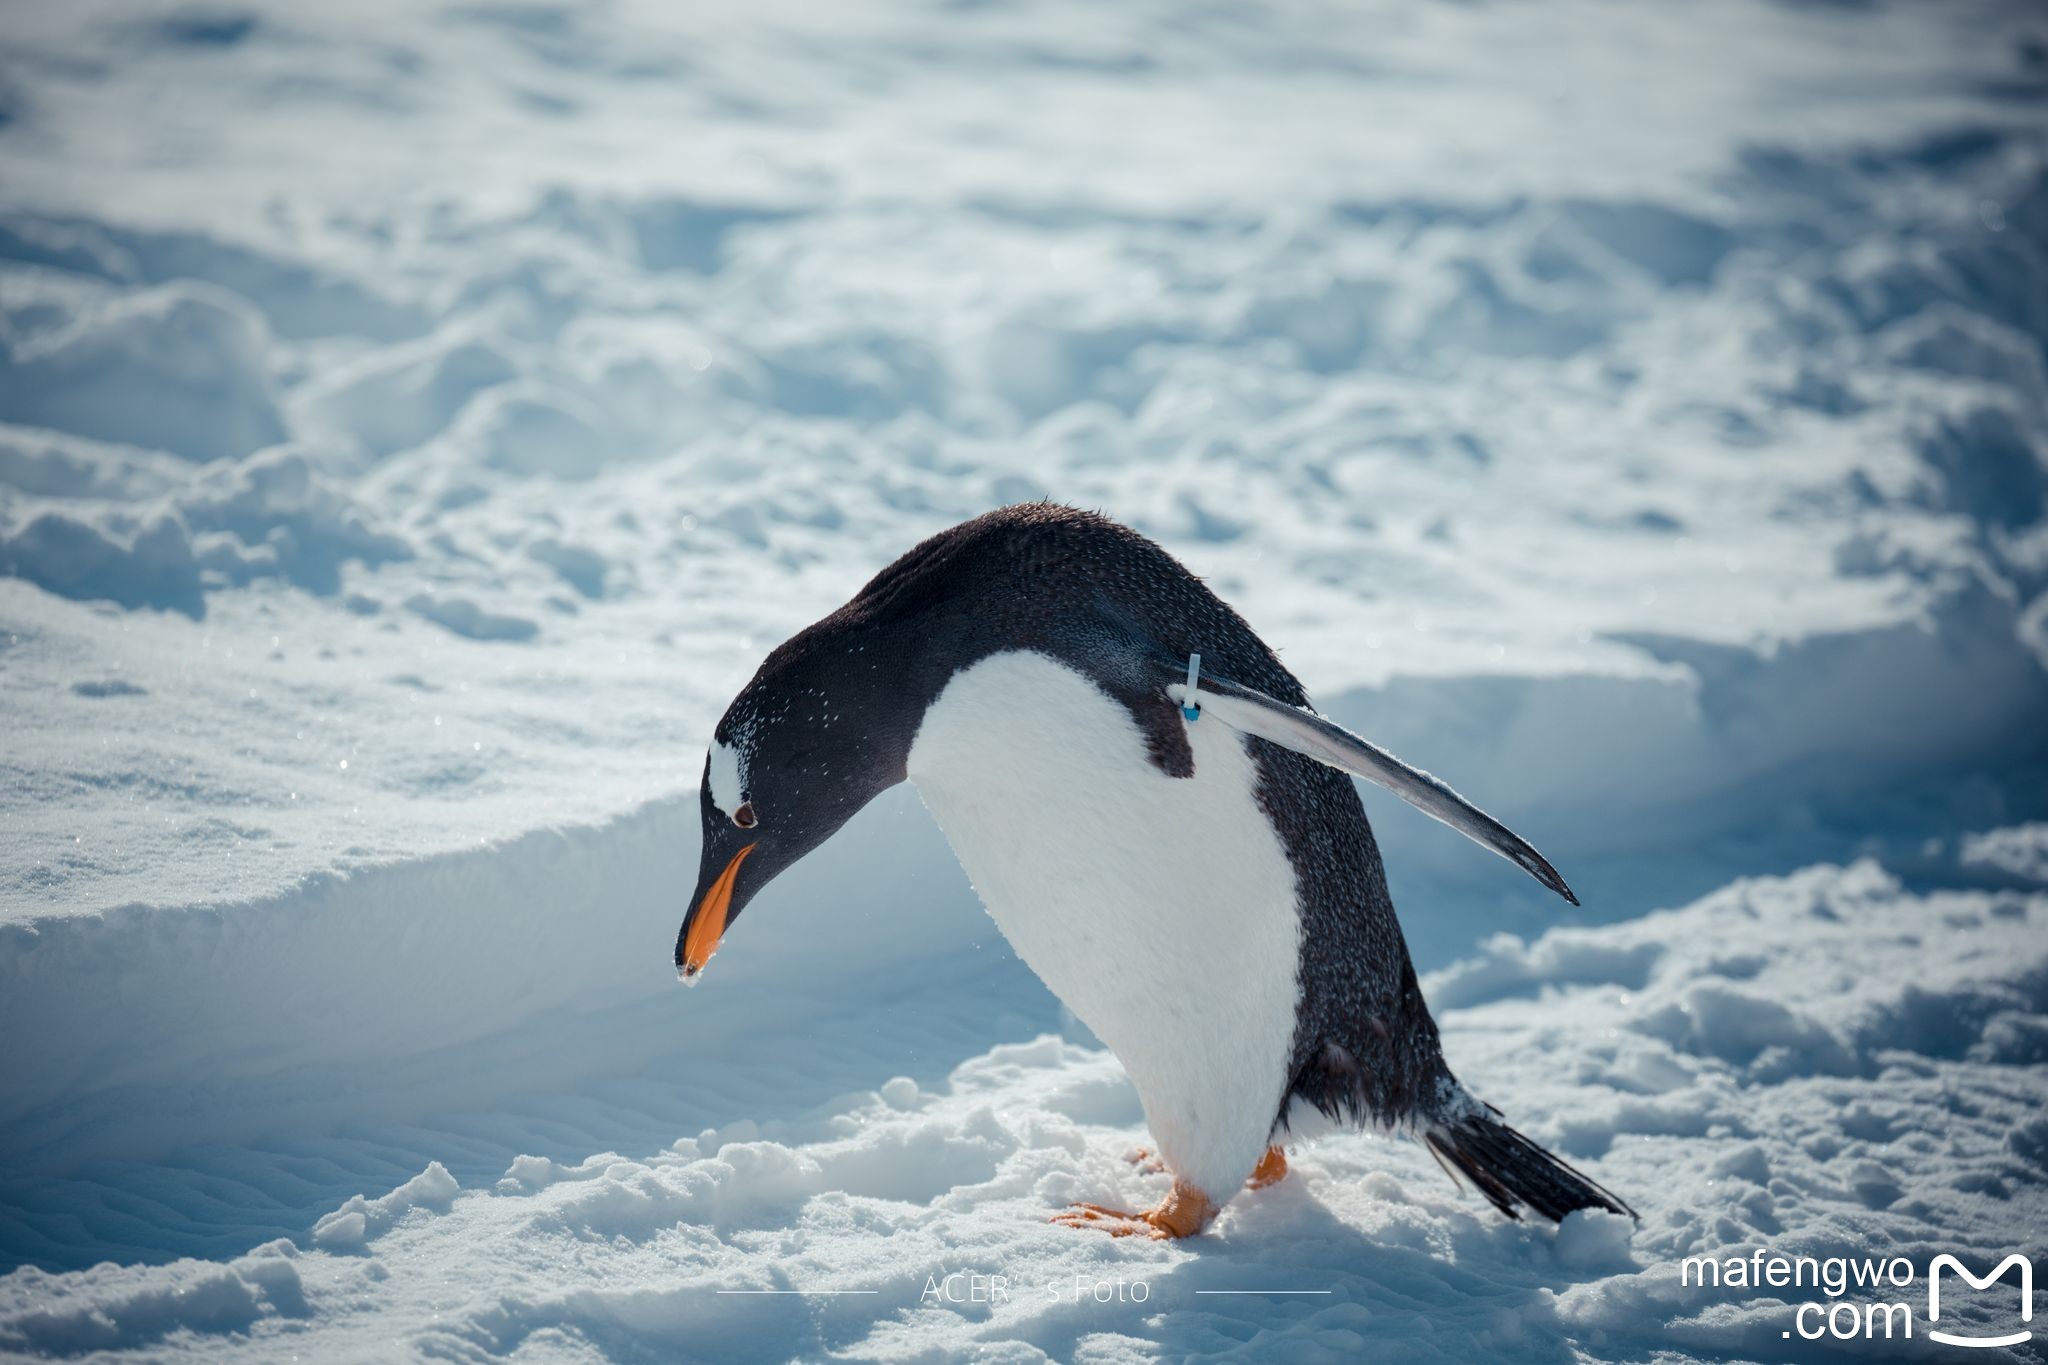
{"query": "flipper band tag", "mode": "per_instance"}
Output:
(1190, 709)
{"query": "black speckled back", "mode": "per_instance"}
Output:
(1107, 601)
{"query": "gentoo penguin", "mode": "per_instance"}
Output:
(1173, 845)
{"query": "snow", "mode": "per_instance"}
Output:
(416, 422)
(360, 1219)
(1749, 1072)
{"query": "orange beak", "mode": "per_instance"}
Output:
(707, 927)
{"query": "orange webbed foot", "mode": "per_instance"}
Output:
(1183, 1213)
(1271, 1170)
(1115, 1222)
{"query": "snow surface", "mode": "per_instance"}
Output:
(1781, 1063)
(416, 421)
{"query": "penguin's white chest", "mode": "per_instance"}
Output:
(1162, 910)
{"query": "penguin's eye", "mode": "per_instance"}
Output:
(744, 817)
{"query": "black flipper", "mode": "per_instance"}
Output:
(1305, 732)
(1513, 1172)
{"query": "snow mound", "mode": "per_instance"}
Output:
(273, 515)
(464, 617)
(121, 559)
(111, 1309)
(178, 367)
(269, 516)
(2021, 852)
(394, 400)
(361, 1218)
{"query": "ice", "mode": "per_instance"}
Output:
(415, 424)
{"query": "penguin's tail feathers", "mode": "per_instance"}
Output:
(1511, 1171)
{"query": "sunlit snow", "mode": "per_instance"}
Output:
(417, 421)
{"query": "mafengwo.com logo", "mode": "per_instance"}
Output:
(1950, 1263)
(1860, 1298)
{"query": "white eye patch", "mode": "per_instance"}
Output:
(727, 786)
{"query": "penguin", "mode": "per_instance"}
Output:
(1174, 845)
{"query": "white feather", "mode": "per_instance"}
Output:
(1161, 910)
(727, 785)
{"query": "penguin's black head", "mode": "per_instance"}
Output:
(821, 730)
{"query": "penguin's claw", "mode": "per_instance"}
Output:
(1115, 1222)
(1184, 1212)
